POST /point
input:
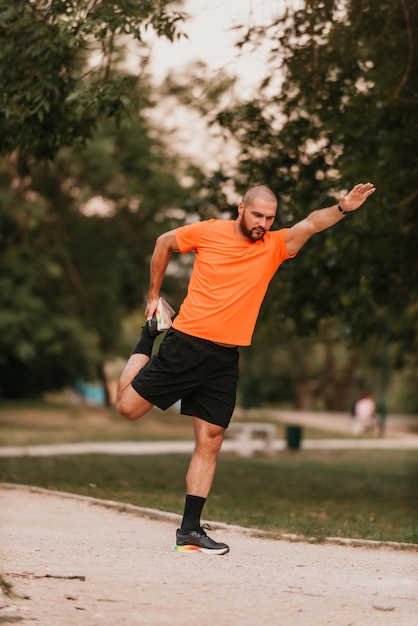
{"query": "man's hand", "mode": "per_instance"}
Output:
(151, 308)
(319, 220)
(355, 198)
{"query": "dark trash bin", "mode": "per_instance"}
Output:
(293, 437)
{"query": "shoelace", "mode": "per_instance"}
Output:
(204, 528)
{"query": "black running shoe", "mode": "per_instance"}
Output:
(153, 327)
(198, 540)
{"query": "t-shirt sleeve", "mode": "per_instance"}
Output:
(188, 237)
(281, 248)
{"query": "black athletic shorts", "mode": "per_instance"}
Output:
(200, 373)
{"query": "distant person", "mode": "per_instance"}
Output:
(364, 414)
(197, 361)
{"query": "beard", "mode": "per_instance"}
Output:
(254, 234)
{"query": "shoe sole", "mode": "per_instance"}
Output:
(190, 548)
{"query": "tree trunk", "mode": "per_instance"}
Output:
(337, 384)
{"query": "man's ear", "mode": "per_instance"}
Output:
(240, 208)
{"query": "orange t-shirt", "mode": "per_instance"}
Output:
(229, 280)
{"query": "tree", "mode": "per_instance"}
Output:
(70, 273)
(338, 106)
(62, 67)
(69, 277)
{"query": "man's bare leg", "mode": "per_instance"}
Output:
(199, 478)
(208, 442)
(134, 365)
(128, 402)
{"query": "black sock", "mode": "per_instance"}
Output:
(192, 512)
(145, 343)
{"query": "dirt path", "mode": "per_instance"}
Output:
(75, 561)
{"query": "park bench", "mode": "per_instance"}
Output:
(246, 432)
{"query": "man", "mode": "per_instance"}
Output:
(364, 414)
(198, 359)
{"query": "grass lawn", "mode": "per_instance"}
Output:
(49, 424)
(22, 425)
(345, 493)
(358, 494)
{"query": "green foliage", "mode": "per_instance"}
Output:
(70, 272)
(35, 324)
(69, 277)
(61, 67)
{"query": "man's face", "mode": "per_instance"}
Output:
(255, 220)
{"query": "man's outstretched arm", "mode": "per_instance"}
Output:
(322, 219)
(164, 246)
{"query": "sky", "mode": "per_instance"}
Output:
(211, 39)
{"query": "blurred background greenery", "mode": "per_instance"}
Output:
(89, 178)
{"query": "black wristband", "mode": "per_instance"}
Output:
(341, 210)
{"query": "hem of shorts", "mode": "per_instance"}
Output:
(162, 408)
(205, 419)
(182, 412)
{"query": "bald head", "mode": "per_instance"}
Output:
(256, 213)
(258, 193)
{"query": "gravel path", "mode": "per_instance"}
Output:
(74, 560)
